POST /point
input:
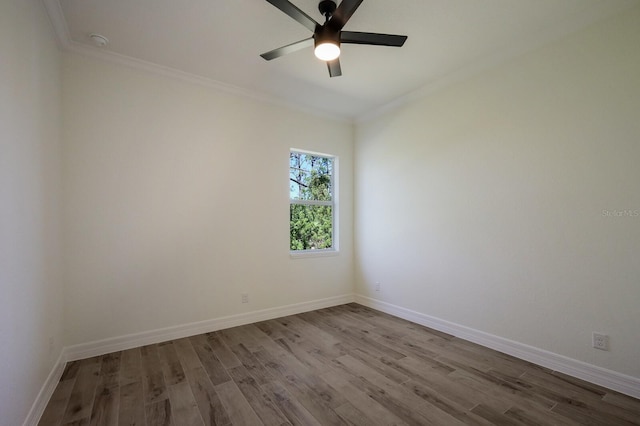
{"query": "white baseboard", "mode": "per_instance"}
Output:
(45, 392)
(115, 344)
(102, 347)
(610, 379)
(622, 383)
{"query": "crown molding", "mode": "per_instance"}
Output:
(58, 21)
(502, 55)
(65, 43)
(466, 71)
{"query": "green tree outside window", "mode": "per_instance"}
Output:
(311, 189)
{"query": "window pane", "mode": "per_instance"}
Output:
(310, 177)
(310, 227)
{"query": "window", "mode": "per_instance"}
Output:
(312, 202)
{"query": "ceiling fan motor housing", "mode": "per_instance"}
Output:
(327, 7)
(328, 37)
(324, 34)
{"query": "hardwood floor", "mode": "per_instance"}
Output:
(343, 365)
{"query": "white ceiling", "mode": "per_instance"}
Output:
(219, 42)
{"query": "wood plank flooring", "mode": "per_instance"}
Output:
(343, 365)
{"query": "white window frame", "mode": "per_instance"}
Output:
(334, 249)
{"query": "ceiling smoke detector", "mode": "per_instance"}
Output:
(99, 40)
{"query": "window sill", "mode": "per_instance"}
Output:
(303, 254)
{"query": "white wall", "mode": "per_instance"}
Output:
(176, 202)
(30, 286)
(483, 204)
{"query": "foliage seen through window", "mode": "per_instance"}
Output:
(311, 180)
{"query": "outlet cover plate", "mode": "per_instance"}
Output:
(600, 341)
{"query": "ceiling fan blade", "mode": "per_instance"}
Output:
(342, 14)
(377, 39)
(295, 13)
(289, 48)
(334, 68)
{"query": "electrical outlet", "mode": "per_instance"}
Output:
(600, 341)
(245, 297)
(377, 286)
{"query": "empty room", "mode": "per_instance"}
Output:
(304, 212)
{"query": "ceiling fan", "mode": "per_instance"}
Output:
(327, 37)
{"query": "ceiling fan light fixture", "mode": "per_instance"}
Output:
(327, 51)
(328, 37)
(327, 43)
